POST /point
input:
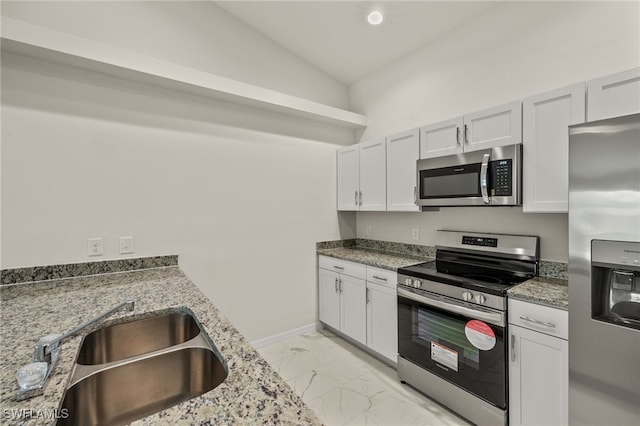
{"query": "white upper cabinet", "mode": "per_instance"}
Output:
(489, 128)
(545, 138)
(373, 177)
(613, 95)
(362, 178)
(497, 126)
(348, 177)
(403, 151)
(440, 139)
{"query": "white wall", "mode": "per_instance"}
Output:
(240, 195)
(518, 49)
(196, 34)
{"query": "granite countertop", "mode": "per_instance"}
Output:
(390, 261)
(549, 291)
(252, 393)
(552, 292)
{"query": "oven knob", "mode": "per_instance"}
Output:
(467, 296)
(407, 281)
(480, 299)
(417, 283)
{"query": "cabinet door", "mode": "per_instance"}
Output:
(538, 378)
(382, 320)
(328, 298)
(545, 139)
(373, 177)
(403, 151)
(353, 312)
(348, 177)
(613, 95)
(439, 139)
(497, 126)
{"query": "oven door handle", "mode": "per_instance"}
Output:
(495, 318)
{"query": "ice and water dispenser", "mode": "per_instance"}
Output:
(615, 282)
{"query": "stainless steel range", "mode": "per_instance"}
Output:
(452, 320)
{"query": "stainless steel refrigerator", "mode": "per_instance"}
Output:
(604, 272)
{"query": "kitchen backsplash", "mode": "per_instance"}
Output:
(551, 269)
(547, 268)
(51, 272)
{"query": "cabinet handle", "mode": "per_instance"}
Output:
(513, 348)
(367, 296)
(458, 135)
(336, 285)
(466, 134)
(379, 278)
(338, 267)
(415, 194)
(339, 285)
(360, 192)
(535, 321)
(355, 197)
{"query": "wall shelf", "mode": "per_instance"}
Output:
(35, 41)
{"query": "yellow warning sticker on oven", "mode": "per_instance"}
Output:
(445, 356)
(480, 335)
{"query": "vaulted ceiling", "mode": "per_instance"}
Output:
(335, 37)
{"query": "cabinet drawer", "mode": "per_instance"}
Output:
(382, 276)
(551, 321)
(352, 269)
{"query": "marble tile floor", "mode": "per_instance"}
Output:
(344, 385)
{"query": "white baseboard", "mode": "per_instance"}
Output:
(286, 335)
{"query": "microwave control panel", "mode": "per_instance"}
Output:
(501, 177)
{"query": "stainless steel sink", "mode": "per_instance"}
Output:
(130, 391)
(130, 370)
(129, 339)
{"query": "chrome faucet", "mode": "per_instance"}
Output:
(46, 353)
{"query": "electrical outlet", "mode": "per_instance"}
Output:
(368, 231)
(96, 246)
(415, 233)
(126, 245)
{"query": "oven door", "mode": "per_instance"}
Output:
(454, 185)
(456, 341)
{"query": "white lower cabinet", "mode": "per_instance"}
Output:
(353, 310)
(538, 365)
(360, 302)
(342, 297)
(382, 312)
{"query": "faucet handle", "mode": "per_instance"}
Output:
(47, 349)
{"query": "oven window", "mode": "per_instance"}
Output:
(449, 182)
(449, 335)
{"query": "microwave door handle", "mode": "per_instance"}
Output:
(484, 168)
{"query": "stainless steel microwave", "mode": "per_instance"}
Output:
(489, 177)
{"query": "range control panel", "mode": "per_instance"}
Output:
(480, 241)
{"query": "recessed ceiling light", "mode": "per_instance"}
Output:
(375, 18)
